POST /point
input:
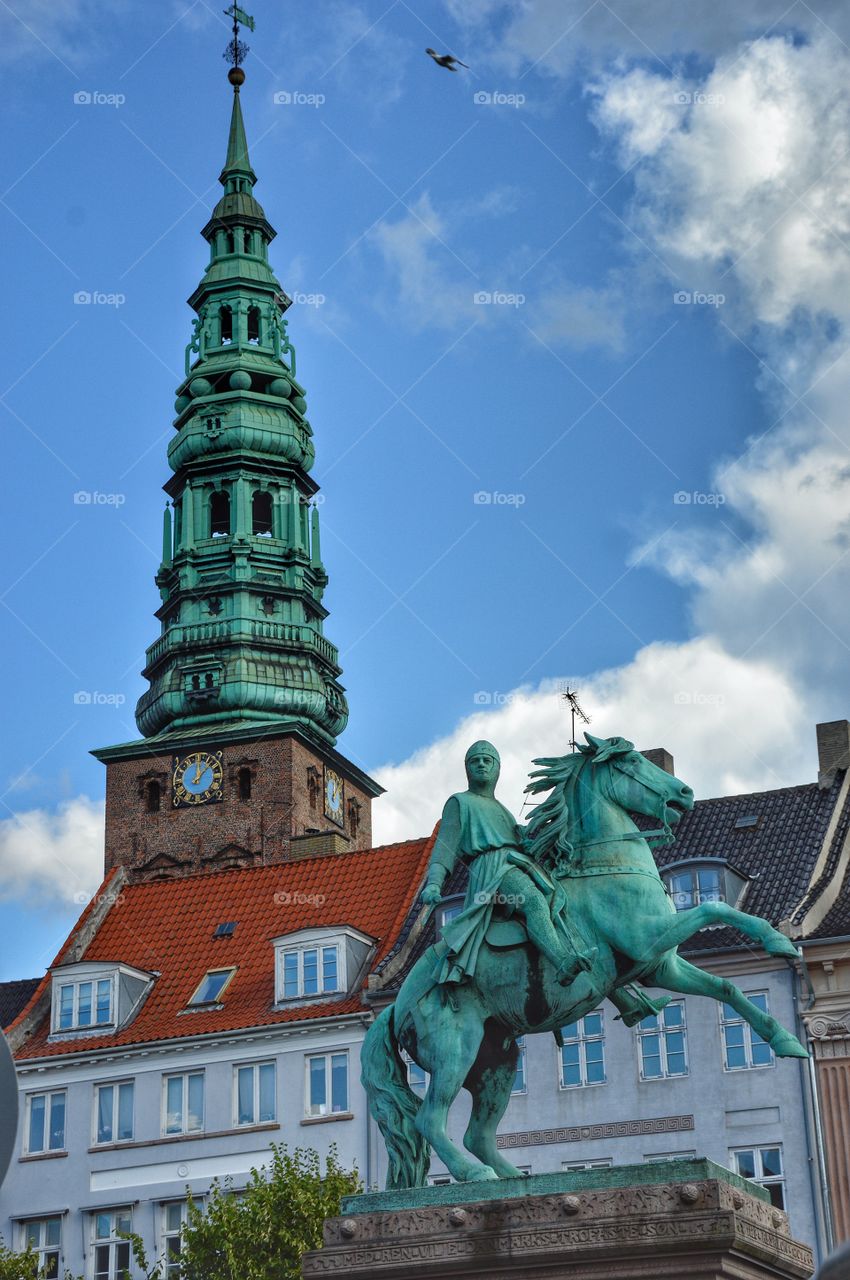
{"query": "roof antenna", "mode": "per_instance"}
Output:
(570, 696)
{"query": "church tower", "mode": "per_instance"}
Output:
(238, 764)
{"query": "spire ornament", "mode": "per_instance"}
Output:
(237, 49)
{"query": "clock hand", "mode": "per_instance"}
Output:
(197, 777)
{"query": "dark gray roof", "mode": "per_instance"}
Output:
(778, 855)
(14, 996)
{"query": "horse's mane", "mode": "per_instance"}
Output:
(547, 832)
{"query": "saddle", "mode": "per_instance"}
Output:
(506, 933)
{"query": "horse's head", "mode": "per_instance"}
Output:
(635, 783)
(589, 787)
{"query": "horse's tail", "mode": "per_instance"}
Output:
(393, 1104)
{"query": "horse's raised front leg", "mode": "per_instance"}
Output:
(449, 1041)
(490, 1083)
(689, 922)
(677, 974)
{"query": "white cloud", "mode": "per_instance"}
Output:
(52, 858)
(732, 725)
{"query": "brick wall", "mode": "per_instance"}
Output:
(286, 800)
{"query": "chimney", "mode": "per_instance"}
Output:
(833, 750)
(661, 756)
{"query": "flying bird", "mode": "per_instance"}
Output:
(446, 60)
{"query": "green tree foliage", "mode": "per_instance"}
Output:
(261, 1233)
(17, 1266)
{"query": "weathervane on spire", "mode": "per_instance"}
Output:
(237, 49)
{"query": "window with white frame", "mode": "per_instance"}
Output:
(309, 971)
(520, 1084)
(708, 880)
(327, 1084)
(578, 1166)
(583, 1051)
(45, 1122)
(764, 1166)
(661, 1156)
(662, 1043)
(439, 1179)
(44, 1237)
(417, 1077)
(212, 986)
(448, 911)
(183, 1103)
(174, 1217)
(255, 1086)
(110, 1249)
(742, 1048)
(113, 1112)
(83, 1005)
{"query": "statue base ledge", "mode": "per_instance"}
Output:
(635, 1222)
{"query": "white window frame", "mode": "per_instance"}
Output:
(299, 952)
(765, 1180)
(581, 1166)
(327, 1110)
(420, 1087)
(582, 1040)
(116, 1086)
(76, 983)
(315, 939)
(749, 1034)
(169, 1268)
(518, 1091)
(184, 1112)
(41, 1248)
(48, 1095)
(662, 1032)
(113, 1241)
(660, 1156)
(439, 1179)
(254, 1068)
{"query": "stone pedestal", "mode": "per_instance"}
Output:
(683, 1219)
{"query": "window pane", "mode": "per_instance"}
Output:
(125, 1112)
(318, 1096)
(84, 1005)
(104, 1113)
(771, 1162)
(196, 1102)
(211, 987)
(57, 1121)
(50, 1265)
(174, 1104)
(593, 1024)
(329, 969)
(53, 1231)
(122, 1258)
(776, 1191)
(674, 1015)
(101, 1261)
(173, 1216)
(123, 1222)
(652, 1062)
(290, 974)
(104, 993)
(32, 1234)
(682, 890)
(311, 972)
(759, 999)
(267, 1092)
(102, 1226)
(735, 1057)
(745, 1163)
(762, 1053)
(710, 887)
(339, 1082)
(66, 1006)
(245, 1095)
(37, 1113)
(570, 1031)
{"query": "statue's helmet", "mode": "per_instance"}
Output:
(482, 748)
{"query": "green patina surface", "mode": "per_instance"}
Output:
(241, 579)
(547, 1184)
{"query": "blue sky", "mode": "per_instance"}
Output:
(615, 163)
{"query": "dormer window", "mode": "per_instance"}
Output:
(84, 1005)
(704, 880)
(317, 963)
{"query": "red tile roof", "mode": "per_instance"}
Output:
(166, 927)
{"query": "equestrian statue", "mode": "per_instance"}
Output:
(559, 915)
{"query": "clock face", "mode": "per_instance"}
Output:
(197, 778)
(333, 796)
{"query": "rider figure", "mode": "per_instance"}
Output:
(478, 830)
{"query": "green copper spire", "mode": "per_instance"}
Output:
(241, 579)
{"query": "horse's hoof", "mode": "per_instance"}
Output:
(784, 1045)
(781, 946)
(482, 1174)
